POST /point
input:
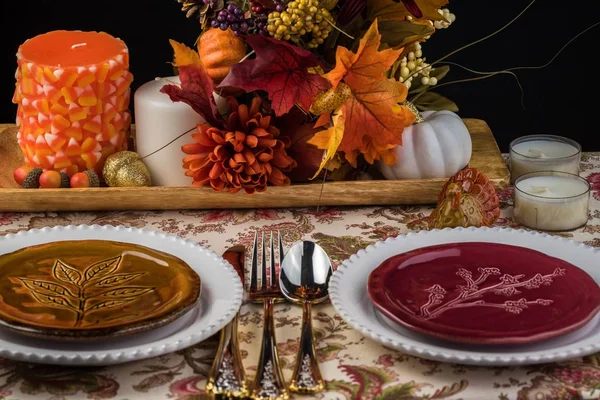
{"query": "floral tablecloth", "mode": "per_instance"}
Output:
(354, 367)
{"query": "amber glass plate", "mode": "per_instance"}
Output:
(93, 289)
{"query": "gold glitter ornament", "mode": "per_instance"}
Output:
(418, 117)
(126, 168)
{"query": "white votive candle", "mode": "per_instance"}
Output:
(551, 201)
(543, 153)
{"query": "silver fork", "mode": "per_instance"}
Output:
(268, 383)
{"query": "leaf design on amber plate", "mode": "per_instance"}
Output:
(65, 273)
(53, 301)
(108, 304)
(125, 292)
(102, 268)
(118, 279)
(45, 287)
(81, 294)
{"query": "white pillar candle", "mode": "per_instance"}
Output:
(158, 121)
(543, 153)
(551, 201)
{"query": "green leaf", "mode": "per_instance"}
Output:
(430, 101)
(401, 34)
(439, 72)
(417, 87)
(385, 10)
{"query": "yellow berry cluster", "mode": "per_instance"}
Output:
(413, 62)
(449, 19)
(413, 65)
(301, 17)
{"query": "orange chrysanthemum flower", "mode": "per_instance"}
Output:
(247, 154)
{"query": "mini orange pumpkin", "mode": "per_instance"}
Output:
(218, 51)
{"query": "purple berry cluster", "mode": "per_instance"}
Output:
(253, 21)
(259, 19)
(231, 17)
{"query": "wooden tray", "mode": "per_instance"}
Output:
(486, 158)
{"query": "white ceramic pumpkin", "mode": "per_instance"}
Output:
(438, 147)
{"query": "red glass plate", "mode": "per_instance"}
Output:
(484, 293)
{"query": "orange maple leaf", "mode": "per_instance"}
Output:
(372, 151)
(373, 111)
(368, 63)
(183, 56)
(374, 121)
(329, 140)
(323, 120)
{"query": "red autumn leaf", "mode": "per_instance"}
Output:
(281, 70)
(197, 91)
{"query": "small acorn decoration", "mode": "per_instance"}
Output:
(32, 179)
(85, 179)
(126, 168)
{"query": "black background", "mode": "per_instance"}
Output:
(561, 99)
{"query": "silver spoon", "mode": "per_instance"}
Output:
(304, 279)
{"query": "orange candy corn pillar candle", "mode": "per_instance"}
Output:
(72, 92)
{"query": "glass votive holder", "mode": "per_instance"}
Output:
(543, 153)
(551, 200)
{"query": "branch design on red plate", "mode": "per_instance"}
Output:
(468, 294)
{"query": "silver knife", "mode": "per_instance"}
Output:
(227, 378)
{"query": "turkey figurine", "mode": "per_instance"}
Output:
(467, 199)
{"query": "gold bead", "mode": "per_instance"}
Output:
(126, 168)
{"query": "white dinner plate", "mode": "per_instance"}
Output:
(220, 299)
(348, 292)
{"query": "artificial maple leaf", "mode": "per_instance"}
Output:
(421, 9)
(373, 111)
(281, 70)
(329, 140)
(323, 120)
(183, 55)
(404, 33)
(371, 151)
(368, 63)
(372, 108)
(386, 10)
(196, 88)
